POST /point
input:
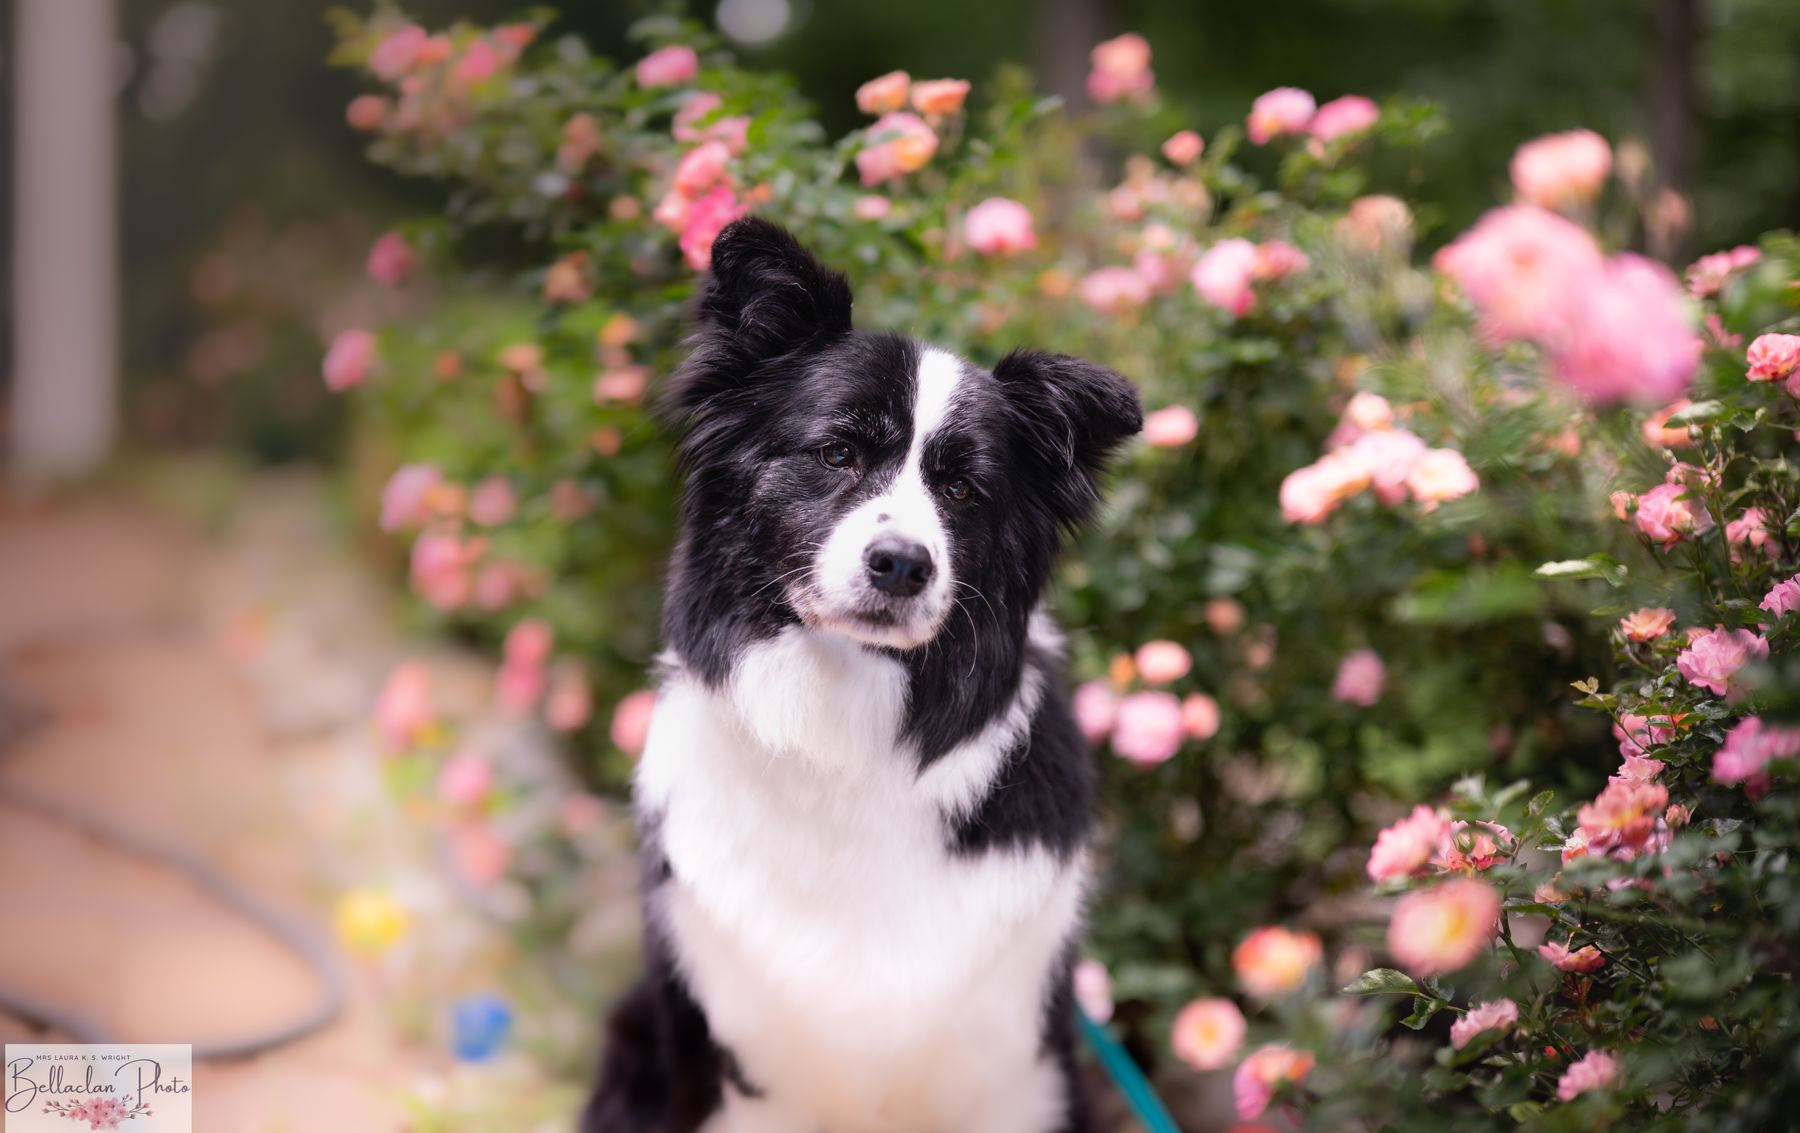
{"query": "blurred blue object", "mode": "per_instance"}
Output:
(479, 1026)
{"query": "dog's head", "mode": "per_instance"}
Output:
(866, 481)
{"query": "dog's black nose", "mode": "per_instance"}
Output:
(898, 567)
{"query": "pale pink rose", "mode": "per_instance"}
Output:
(1273, 961)
(1408, 845)
(529, 643)
(405, 499)
(1224, 616)
(1121, 69)
(403, 711)
(1626, 333)
(1783, 598)
(1521, 267)
(493, 503)
(348, 362)
(1254, 1082)
(366, 112)
(465, 780)
(871, 207)
(390, 259)
(395, 55)
(1496, 1015)
(1439, 930)
(1562, 170)
(705, 220)
(496, 585)
(1713, 658)
(1282, 111)
(1667, 514)
(1147, 728)
(1162, 662)
(1637, 733)
(1093, 990)
(1438, 475)
(479, 854)
(1706, 275)
(1659, 434)
(1208, 1033)
(1471, 847)
(695, 122)
(885, 94)
(1750, 746)
(1639, 769)
(569, 703)
(479, 62)
(999, 227)
(1223, 275)
(1677, 816)
(672, 211)
(442, 569)
(1096, 708)
(1773, 357)
(1277, 259)
(1621, 821)
(1750, 531)
(1200, 716)
(1374, 223)
(701, 168)
(1369, 412)
(518, 687)
(1596, 1070)
(1113, 290)
(625, 384)
(1311, 493)
(668, 66)
(631, 722)
(1171, 427)
(898, 144)
(1351, 114)
(1360, 678)
(1387, 459)
(938, 98)
(1184, 148)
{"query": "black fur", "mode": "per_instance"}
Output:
(776, 370)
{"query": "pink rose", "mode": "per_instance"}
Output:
(570, 702)
(1439, 930)
(1706, 275)
(1471, 847)
(625, 384)
(1374, 223)
(1585, 959)
(1147, 729)
(999, 227)
(871, 207)
(1561, 170)
(1223, 274)
(1596, 1070)
(1113, 290)
(1162, 662)
(1184, 148)
(403, 711)
(1438, 475)
(518, 687)
(1277, 259)
(705, 220)
(668, 66)
(367, 112)
(1369, 412)
(1496, 1015)
(405, 499)
(442, 566)
(631, 722)
(478, 853)
(884, 95)
(1093, 990)
(349, 360)
(1626, 333)
(1750, 746)
(1750, 531)
(1408, 845)
(1351, 114)
(1200, 716)
(479, 62)
(899, 144)
(1282, 111)
(1273, 961)
(493, 503)
(937, 98)
(529, 642)
(1208, 1033)
(1621, 821)
(1096, 707)
(1647, 624)
(1783, 598)
(1666, 514)
(1254, 1082)
(1773, 357)
(395, 55)
(1360, 678)
(1171, 427)
(701, 168)
(1713, 658)
(390, 259)
(1521, 268)
(1121, 69)
(465, 780)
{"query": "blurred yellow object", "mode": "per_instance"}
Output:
(369, 921)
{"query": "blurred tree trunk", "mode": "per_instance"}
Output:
(65, 259)
(1066, 31)
(1673, 113)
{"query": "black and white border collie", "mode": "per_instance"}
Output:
(864, 804)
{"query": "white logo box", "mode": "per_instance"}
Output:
(71, 1088)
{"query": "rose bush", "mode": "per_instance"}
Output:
(1355, 560)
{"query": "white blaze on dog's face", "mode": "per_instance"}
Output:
(886, 574)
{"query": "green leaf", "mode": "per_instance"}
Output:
(1424, 1007)
(1381, 981)
(1594, 566)
(1697, 412)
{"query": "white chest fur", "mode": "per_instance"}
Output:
(867, 979)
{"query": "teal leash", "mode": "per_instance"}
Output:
(1126, 1075)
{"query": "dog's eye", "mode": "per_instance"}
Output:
(837, 455)
(958, 490)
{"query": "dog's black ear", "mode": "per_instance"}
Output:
(1070, 417)
(766, 296)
